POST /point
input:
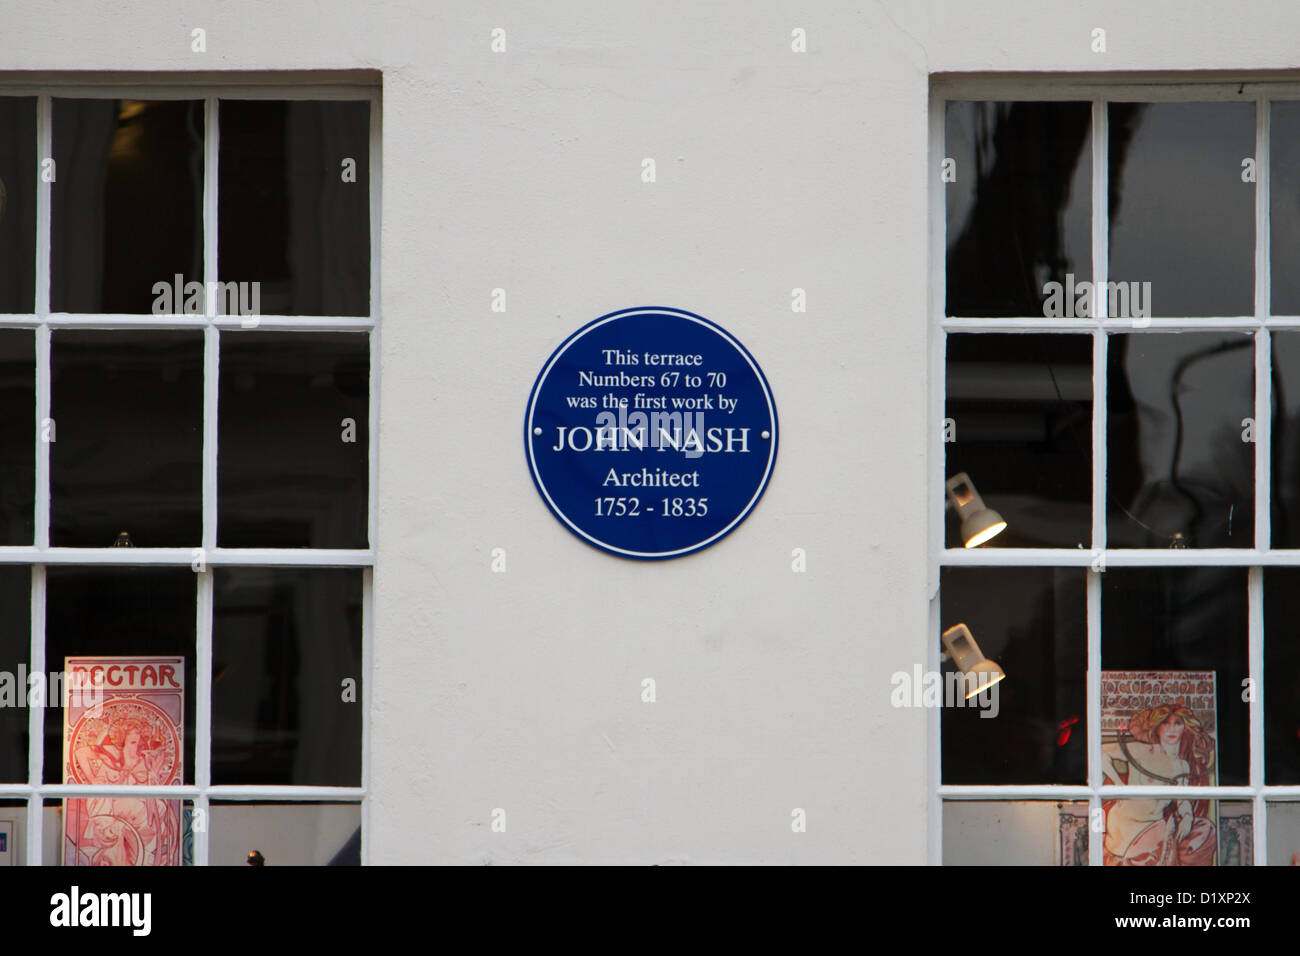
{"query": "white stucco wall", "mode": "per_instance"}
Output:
(775, 170)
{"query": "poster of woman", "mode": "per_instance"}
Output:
(1158, 730)
(128, 733)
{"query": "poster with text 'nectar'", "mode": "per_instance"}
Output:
(123, 726)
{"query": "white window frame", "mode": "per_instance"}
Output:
(1099, 92)
(210, 88)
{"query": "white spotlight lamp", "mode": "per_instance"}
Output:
(979, 522)
(981, 673)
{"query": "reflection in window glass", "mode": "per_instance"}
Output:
(1178, 471)
(1019, 833)
(126, 209)
(1021, 411)
(1284, 199)
(1165, 831)
(17, 204)
(1283, 834)
(292, 217)
(1285, 500)
(1181, 218)
(286, 677)
(15, 658)
(128, 454)
(1281, 676)
(17, 438)
(1032, 622)
(1159, 620)
(1019, 208)
(124, 612)
(285, 834)
(294, 463)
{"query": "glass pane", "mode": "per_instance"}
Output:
(285, 834)
(295, 452)
(17, 204)
(294, 218)
(1020, 833)
(127, 204)
(1281, 677)
(1284, 200)
(15, 659)
(286, 677)
(13, 833)
(1020, 427)
(17, 436)
(1283, 834)
(1182, 222)
(1180, 456)
(1019, 208)
(119, 612)
(1178, 832)
(1031, 622)
(124, 831)
(1173, 651)
(1285, 519)
(127, 453)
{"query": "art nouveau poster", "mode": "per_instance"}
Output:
(123, 725)
(1158, 729)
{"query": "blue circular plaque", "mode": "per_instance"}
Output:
(651, 433)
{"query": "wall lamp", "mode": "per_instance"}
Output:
(981, 673)
(979, 523)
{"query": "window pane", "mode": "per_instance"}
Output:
(1178, 471)
(286, 677)
(15, 661)
(127, 203)
(285, 834)
(292, 217)
(1163, 630)
(128, 454)
(1021, 429)
(295, 452)
(1284, 200)
(1020, 833)
(1173, 832)
(1019, 209)
(1283, 834)
(122, 612)
(17, 436)
(1285, 519)
(1281, 677)
(13, 832)
(1181, 219)
(1032, 622)
(17, 204)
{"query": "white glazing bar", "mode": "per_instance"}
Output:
(44, 198)
(1100, 252)
(298, 323)
(936, 305)
(1093, 599)
(1014, 791)
(1117, 557)
(1263, 340)
(1063, 792)
(367, 695)
(203, 706)
(1255, 642)
(148, 557)
(1100, 209)
(109, 321)
(36, 721)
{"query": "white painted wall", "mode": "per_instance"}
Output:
(776, 170)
